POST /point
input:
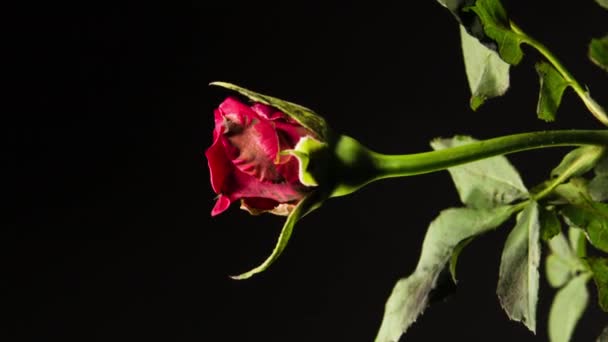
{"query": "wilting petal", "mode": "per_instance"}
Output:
(279, 209)
(239, 112)
(258, 205)
(283, 209)
(243, 185)
(253, 148)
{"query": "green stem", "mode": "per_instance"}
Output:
(357, 166)
(388, 166)
(593, 106)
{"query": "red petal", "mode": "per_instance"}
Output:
(290, 169)
(264, 111)
(219, 127)
(252, 145)
(219, 165)
(221, 205)
(239, 112)
(289, 134)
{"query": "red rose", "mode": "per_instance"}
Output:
(246, 160)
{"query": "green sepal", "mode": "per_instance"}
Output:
(304, 151)
(306, 205)
(304, 116)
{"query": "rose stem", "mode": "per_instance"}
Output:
(388, 166)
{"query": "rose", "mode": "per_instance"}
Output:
(280, 157)
(274, 156)
(250, 160)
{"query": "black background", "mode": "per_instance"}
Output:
(109, 235)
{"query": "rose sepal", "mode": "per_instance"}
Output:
(311, 202)
(305, 116)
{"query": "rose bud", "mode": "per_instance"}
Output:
(266, 155)
(247, 160)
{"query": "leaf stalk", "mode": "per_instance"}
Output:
(594, 108)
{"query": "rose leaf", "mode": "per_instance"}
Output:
(485, 183)
(410, 295)
(599, 267)
(518, 274)
(552, 86)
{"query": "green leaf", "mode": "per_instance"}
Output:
(485, 183)
(497, 26)
(549, 224)
(466, 18)
(488, 75)
(578, 242)
(578, 161)
(601, 168)
(410, 295)
(567, 308)
(558, 272)
(598, 188)
(303, 115)
(575, 191)
(593, 218)
(305, 206)
(562, 263)
(582, 212)
(455, 254)
(598, 52)
(518, 275)
(603, 336)
(603, 3)
(561, 247)
(599, 267)
(452, 5)
(552, 86)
